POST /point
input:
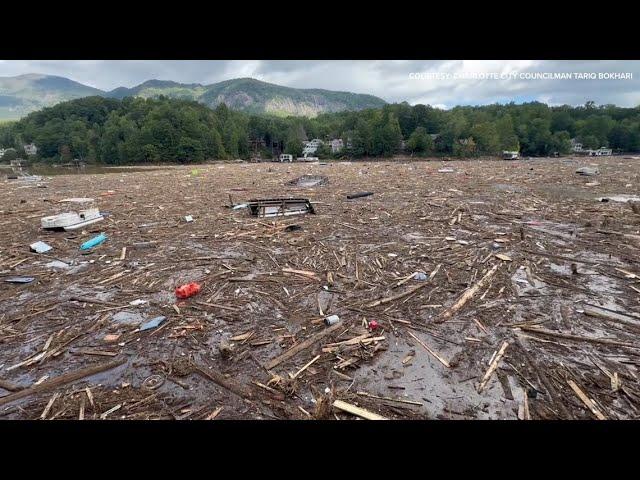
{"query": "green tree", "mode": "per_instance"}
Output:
(9, 155)
(486, 138)
(420, 142)
(561, 142)
(464, 147)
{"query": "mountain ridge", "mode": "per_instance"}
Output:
(22, 94)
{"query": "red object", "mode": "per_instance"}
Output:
(373, 325)
(188, 290)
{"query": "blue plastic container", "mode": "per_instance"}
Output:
(93, 242)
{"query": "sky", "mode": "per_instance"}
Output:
(441, 83)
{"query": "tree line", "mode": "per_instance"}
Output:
(136, 130)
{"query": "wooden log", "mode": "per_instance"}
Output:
(61, 380)
(10, 386)
(302, 346)
(467, 295)
(229, 384)
(602, 341)
(611, 316)
(493, 366)
(354, 410)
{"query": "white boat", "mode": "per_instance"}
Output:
(72, 220)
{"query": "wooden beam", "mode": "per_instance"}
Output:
(302, 346)
(493, 366)
(467, 295)
(354, 410)
(61, 380)
(432, 352)
(586, 400)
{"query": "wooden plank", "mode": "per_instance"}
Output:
(61, 380)
(432, 352)
(306, 366)
(47, 409)
(382, 301)
(493, 366)
(214, 414)
(586, 400)
(389, 399)
(354, 410)
(467, 295)
(302, 346)
(304, 273)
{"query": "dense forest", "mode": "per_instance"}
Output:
(136, 130)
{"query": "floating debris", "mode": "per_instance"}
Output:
(19, 279)
(71, 220)
(307, 181)
(40, 247)
(153, 323)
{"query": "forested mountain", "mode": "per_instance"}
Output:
(27, 93)
(138, 130)
(253, 96)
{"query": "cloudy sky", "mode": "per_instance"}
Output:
(443, 83)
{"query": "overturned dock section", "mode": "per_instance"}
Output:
(280, 207)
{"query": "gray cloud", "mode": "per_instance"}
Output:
(386, 79)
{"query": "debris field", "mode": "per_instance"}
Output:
(483, 290)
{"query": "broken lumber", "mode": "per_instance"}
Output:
(220, 379)
(382, 301)
(467, 295)
(586, 400)
(600, 312)
(567, 336)
(426, 347)
(304, 273)
(302, 346)
(542, 376)
(354, 410)
(389, 399)
(61, 380)
(306, 366)
(493, 366)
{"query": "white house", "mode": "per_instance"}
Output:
(311, 147)
(30, 149)
(336, 145)
(576, 146)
